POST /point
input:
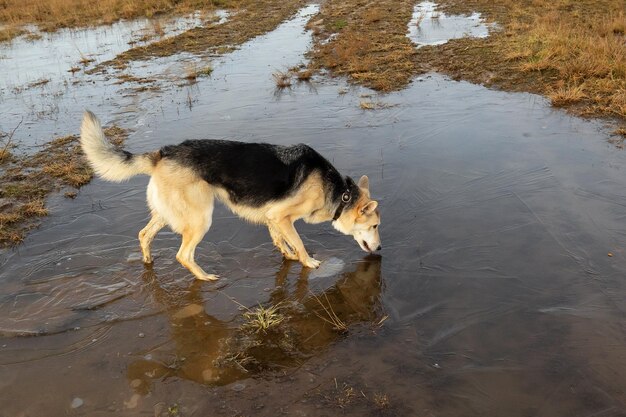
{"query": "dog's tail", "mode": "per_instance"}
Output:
(110, 163)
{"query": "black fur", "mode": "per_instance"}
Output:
(256, 173)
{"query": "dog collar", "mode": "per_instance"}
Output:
(345, 199)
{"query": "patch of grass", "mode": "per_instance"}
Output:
(84, 60)
(371, 48)
(381, 401)
(262, 319)
(339, 24)
(9, 32)
(25, 182)
(127, 78)
(373, 105)
(50, 15)
(39, 83)
(564, 96)
(329, 315)
(304, 75)
(193, 72)
(282, 79)
(5, 155)
(34, 208)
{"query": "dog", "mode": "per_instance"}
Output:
(262, 183)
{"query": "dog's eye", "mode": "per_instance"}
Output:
(375, 226)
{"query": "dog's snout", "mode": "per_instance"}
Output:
(379, 247)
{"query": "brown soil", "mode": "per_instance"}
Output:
(26, 181)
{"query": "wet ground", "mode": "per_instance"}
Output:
(501, 274)
(429, 26)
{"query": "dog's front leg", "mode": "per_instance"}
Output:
(279, 242)
(288, 231)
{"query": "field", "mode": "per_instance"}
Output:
(492, 134)
(573, 52)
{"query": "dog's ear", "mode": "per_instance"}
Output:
(364, 182)
(369, 207)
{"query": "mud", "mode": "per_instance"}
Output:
(494, 293)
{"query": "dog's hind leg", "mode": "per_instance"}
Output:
(147, 234)
(279, 242)
(186, 253)
(198, 220)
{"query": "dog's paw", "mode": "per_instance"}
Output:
(311, 263)
(208, 277)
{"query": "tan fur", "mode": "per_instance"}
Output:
(362, 220)
(179, 198)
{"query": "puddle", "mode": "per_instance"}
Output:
(431, 27)
(44, 83)
(494, 294)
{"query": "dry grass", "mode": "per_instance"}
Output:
(304, 75)
(193, 72)
(50, 15)
(39, 83)
(329, 315)
(365, 41)
(262, 319)
(25, 182)
(381, 401)
(572, 51)
(564, 96)
(5, 155)
(282, 79)
(6, 144)
(373, 105)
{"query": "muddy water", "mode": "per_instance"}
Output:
(498, 215)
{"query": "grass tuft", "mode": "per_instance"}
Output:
(282, 79)
(381, 401)
(26, 181)
(564, 96)
(193, 72)
(262, 319)
(304, 75)
(329, 315)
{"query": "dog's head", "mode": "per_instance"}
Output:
(361, 219)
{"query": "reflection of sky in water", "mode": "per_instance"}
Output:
(50, 109)
(430, 27)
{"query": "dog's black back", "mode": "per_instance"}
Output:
(254, 173)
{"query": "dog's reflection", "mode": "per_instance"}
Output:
(212, 351)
